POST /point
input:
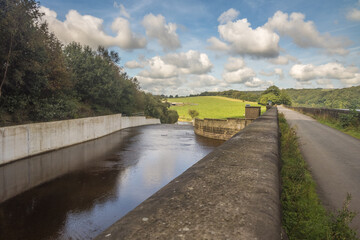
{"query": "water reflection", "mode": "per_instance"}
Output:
(112, 176)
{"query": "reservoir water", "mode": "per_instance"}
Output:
(77, 192)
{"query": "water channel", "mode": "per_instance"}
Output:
(77, 192)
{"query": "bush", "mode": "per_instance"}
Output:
(193, 113)
(349, 119)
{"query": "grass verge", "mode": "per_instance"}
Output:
(211, 107)
(303, 215)
(350, 130)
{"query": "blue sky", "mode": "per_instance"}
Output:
(190, 46)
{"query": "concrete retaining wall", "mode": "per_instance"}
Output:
(232, 193)
(220, 128)
(21, 141)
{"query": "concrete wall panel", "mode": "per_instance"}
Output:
(21, 141)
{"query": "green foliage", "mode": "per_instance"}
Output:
(193, 113)
(272, 89)
(41, 80)
(340, 222)
(172, 116)
(157, 108)
(275, 95)
(303, 215)
(265, 98)
(345, 98)
(351, 119)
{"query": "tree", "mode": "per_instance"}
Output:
(34, 80)
(193, 113)
(275, 95)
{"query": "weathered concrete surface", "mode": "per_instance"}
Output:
(334, 161)
(232, 193)
(222, 129)
(21, 141)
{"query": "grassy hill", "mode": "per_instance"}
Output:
(211, 107)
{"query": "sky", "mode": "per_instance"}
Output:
(191, 46)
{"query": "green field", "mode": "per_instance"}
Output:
(211, 107)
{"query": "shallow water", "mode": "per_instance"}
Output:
(82, 190)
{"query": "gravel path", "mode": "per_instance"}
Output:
(333, 158)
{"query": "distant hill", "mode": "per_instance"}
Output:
(329, 98)
(343, 98)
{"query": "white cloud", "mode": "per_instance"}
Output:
(157, 28)
(123, 11)
(238, 37)
(217, 45)
(282, 60)
(134, 64)
(239, 76)
(191, 62)
(256, 82)
(229, 15)
(236, 72)
(353, 15)
(234, 64)
(88, 30)
(349, 76)
(304, 33)
(166, 73)
(159, 69)
(277, 71)
(203, 81)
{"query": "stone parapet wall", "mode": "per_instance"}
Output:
(232, 193)
(220, 128)
(22, 141)
(326, 112)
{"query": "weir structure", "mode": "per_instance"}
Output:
(232, 193)
(224, 129)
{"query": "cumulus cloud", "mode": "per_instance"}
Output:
(238, 37)
(282, 60)
(229, 15)
(353, 15)
(134, 64)
(236, 72)
(165, 34)
(191, 62)
(276, 72)
(349, 76)
(159, 69)
(175, 70)
(304, 33)
(256, 82)
(234, 64)
(88, 30)
(202, 81)
(217, 45)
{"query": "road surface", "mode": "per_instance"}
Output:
(333, 158)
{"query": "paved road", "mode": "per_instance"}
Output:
(333, 158)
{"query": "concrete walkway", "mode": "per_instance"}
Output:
(333, 158)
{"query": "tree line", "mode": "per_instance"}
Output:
(43, 80)
(344, 98)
